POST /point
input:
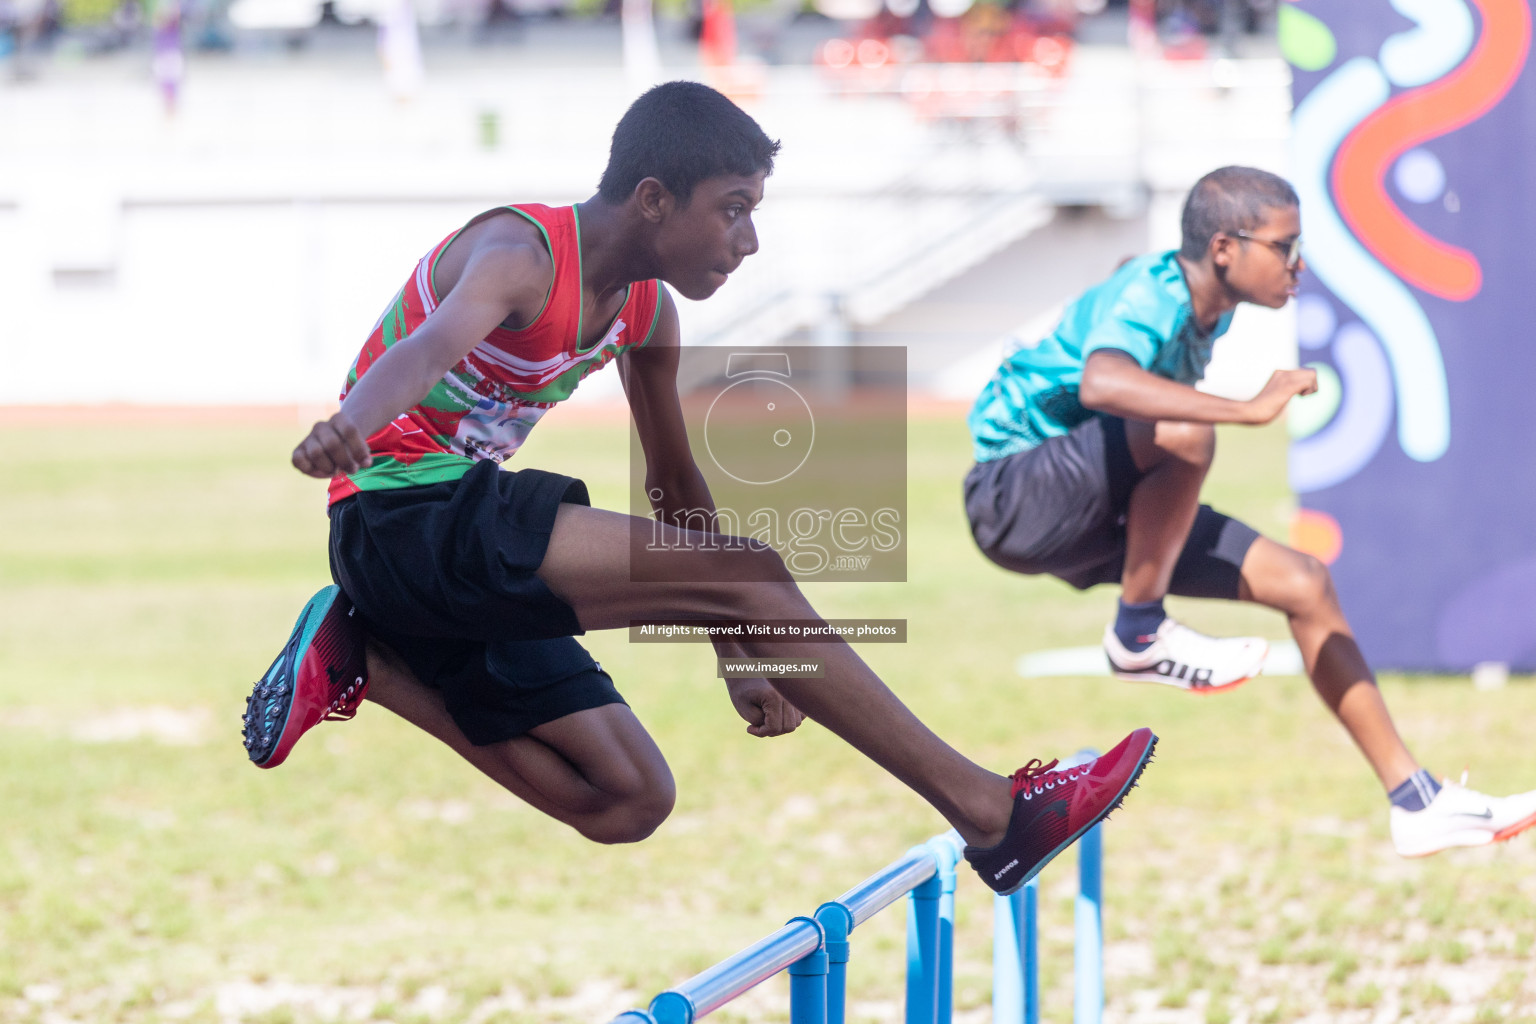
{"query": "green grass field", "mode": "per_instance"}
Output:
(149, 873)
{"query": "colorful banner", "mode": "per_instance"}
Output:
(1415, 464)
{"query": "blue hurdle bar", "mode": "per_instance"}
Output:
(818, 990)
(1015, 945)
(1088, 947)
(1015, 954)
(1015, 939)
(815, 950)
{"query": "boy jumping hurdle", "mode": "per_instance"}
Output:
(462, 586)
(1092, 445)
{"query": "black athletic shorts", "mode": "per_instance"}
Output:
(1060, 509)
(444, 575)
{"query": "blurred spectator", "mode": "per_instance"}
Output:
(400, 50)
(717, 34)
(27, 29)
(1049, 17)
(126, 24)
(167, 64)
(10, 28)
(205, 25)
(1208, 17)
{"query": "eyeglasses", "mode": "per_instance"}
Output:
(1289, 251)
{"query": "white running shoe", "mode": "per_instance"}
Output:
(1191, 661)
(1458, 816)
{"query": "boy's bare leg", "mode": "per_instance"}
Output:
(1143, 644)
(1175, 458)
(1301, 587)
(588, 566)
(598, 770)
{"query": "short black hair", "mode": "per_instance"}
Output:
(1230, 199)
(681, 133)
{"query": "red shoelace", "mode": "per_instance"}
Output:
(1030, 780)
(344, 707)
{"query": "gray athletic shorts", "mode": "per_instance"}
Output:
(1060, 509)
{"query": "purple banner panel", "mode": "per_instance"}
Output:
(1415, 463)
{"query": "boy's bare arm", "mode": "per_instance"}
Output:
(649, 375)
(672, 477)
(498, 280)
(1114, 383)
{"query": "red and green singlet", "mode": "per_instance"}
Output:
(484, 407)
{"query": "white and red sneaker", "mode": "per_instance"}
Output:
(1191, 661)
(322, 674)
(1052, 809)
(1458, 816)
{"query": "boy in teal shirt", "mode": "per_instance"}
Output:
(1091, 447)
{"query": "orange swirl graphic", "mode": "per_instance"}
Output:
(1459, 98)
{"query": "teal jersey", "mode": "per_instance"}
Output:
(1144, 310)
